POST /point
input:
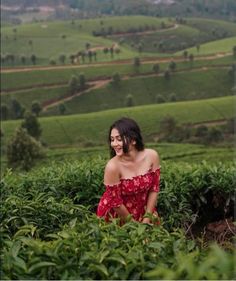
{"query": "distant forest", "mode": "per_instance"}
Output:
(89, 8)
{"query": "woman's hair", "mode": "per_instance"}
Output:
(129, 131)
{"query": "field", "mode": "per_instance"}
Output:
(49, 230)
(92, 127)
(158, 36)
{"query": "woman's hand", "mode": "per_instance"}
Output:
(146, 220)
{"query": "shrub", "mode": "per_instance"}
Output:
(22, 150)
(32, 125)
(129, 100)
(160, 99)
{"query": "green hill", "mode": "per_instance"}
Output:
(131, 35)
(190, 85)
(92, 127)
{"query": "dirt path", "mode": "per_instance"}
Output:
(146, 60)
(101, 83)
(93, 85)
(175, 26)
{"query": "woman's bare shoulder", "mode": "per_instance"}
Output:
(154, 156)
(112, 172)
(151, 152)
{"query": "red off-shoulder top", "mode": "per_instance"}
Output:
(133, 193)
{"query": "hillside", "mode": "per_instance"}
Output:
(92, 127)
(182, 8)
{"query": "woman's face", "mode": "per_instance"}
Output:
(116, 142)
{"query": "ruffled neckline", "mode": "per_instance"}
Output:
(150, 171)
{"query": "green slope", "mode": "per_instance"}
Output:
(93, 127)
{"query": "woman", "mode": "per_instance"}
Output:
(131, 176)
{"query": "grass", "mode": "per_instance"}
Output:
(48, 43)
(18, 80)
(168, 152)
(222, 45)
(185, 86)
(92, 128)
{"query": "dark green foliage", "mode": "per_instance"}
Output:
(16, 109)
(73, 85)
(33, 59)
(129, 100)
(36, 107)
(136, 63)
(62, 108)
(116, 79)
(167, 75)
(201, 131)
(172, 66)
(31, 124)
(160, 99)
(22, 150)
(4, 112)
(82, 81)
(47, 234)
(156, 68)
(214, 135)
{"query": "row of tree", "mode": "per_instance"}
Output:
(16, 110)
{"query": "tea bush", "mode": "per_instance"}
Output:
(184, 190)
(93, 249)
(49, 229)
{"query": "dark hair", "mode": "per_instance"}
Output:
(129, 131)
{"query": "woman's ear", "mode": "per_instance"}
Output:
(133, 142)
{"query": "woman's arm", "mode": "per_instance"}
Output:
(112, 177)
(152, 196)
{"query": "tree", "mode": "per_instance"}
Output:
(198, 47)
(22, 150)
(185, 54)
(62, 58)
(201, 131)
(156, 68)
(90, 55)
(23, 59)
(82, 81)
(214, 135)
(172, 66)
(52, 62)
(167, 75)
(167, 125)
(73, 85)
(4, 112)
(116, 79)
(31, 124)
(105, 50)
(63, 37)
(172, 97)
(16, 109)
(30, 42)
(111, 52)
(160, 99)
(191, 58)
(136, 63)
(129, 100)
(36, 108)
(33, 59)
(62, 108)
(234, 51)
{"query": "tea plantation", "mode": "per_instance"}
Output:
(49, 229)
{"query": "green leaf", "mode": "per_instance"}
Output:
(40, 265)
(156, 245)
(100, 269)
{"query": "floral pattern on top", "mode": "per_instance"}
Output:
(132, 193)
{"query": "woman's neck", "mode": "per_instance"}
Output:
(131, 156)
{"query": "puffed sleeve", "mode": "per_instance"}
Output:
(110, 199)
(156, 180)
